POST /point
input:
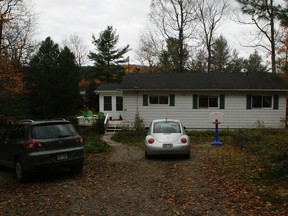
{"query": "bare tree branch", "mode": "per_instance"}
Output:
(76, 44)
(210, 16)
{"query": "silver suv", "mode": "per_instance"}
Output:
(34, 145)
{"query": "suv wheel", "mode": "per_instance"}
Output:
(21, 174)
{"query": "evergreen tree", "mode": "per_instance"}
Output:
(254, 64)
(236, 64)
(68, 84)
(199, 64)
(92, 99)
(264, 15)
(220, 55)
(170, 59)
(53, 77)
(107, 56)
(283, 14)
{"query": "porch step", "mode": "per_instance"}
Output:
(112, 126)
(112, 130)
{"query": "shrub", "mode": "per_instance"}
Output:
(248, 138)
(95, 146)
(132, 135)
(278, 170)
(92, 141)
(99, 126)
(270, 145)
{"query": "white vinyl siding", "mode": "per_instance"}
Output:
(235, 113)
(114, 113)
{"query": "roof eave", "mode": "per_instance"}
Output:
(207, 90)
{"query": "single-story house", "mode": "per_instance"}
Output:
(245, 99)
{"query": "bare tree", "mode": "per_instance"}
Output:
(175, 19)
(5, 16)
(17, 28)
(149, 48)
(76, 44)
(210, 16)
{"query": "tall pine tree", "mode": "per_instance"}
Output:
(169, 59)
(264, 15)
(108, 57)
(254, 63)
(220, 55)
(53, 77)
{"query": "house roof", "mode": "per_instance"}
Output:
(203, 82)
(108, 87)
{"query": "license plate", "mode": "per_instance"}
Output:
(62, 157)
(167, 145)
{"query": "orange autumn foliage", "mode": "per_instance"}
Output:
(11, 79)
(282, 59)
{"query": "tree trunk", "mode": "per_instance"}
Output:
(1, 33)
(273, 49)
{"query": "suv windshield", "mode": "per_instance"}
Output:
(52, 131)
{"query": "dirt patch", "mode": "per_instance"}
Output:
(123, 182)
(122, 153)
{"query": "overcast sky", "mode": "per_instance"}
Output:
(62, 18)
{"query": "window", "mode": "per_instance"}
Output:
(166, 127)
(156, 99)
(208, 101)
(267, 101)
(119, 103)
(153, 99)
(107, 103)
(53, 131)
(258, 102)
(261, 101)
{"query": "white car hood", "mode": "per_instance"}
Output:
(167, 137)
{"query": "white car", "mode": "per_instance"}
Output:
(167, 137)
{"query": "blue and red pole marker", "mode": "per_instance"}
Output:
(216, 141)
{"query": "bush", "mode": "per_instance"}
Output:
(249, 138)
(92, 141)
(134, 135)
(130, 136)
(270, 145)
(95, 146)
(277, 171)
(99, 126)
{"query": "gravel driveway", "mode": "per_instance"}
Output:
(123, 182)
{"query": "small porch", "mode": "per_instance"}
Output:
(111, 104)
(113, 123)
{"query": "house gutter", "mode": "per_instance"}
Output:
(207, 90)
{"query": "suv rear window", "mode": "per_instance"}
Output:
(52, 131)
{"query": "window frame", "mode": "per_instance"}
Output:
(105, 104)
(158, 100)
(119, 104)
(208, 102)
(260, 102)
